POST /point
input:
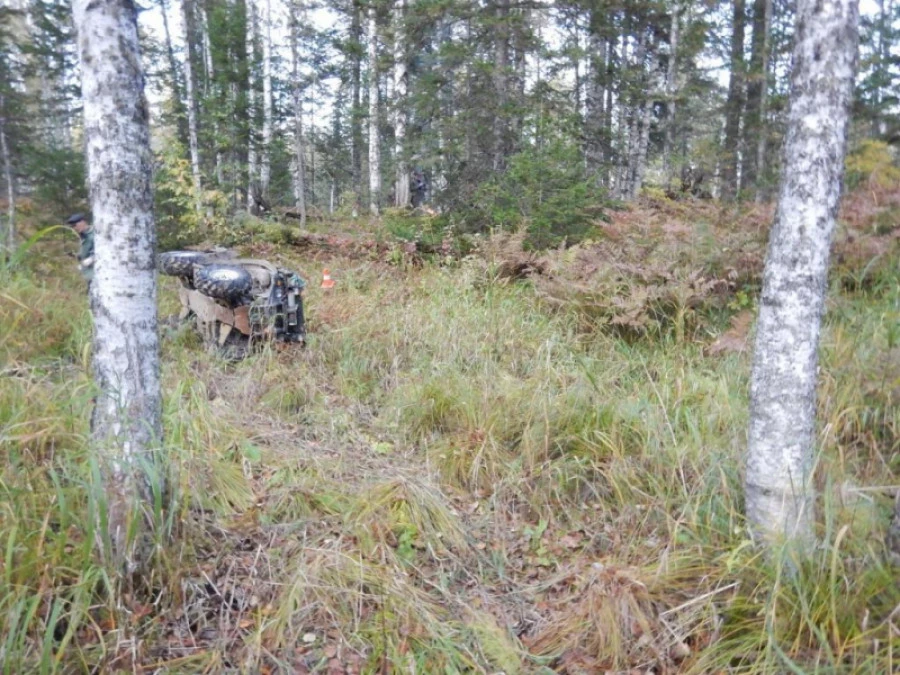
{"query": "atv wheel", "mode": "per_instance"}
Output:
(181, 263)
(225, 282)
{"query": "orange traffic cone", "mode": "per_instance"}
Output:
(327, 281)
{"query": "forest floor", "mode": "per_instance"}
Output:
(498, 463)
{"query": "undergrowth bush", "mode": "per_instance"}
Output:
(542, 192)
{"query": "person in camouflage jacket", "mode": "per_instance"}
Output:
(79, 223)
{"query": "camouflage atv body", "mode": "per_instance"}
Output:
(237, 303)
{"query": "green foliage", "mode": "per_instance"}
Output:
(177, 220)
(872, 163)
(544, 191)
(59, 176)
(411, 226)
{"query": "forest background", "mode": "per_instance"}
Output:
(513, 443)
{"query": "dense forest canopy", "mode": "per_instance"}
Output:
(497, 115)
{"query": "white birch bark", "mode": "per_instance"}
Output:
(190, 87)
(210, 83)
(671, 90)
(126, 422)
(401, 181)
(374, 149)
(356, 134)
(640, 166)
(170, 51)
(780, 450)
(10, 185)
(501, 83)
(265, 164)
(299, 170)
(252, 158)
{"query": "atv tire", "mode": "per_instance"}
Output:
(224, 282)
(181, 263)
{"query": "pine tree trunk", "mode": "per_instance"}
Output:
(734, 106)
(126, 429)
(782, 434)
(594, 101)
(299, 168)
(761, 141)
(401, 181)
(190, 86)
(10, 184)
(374, 147)
(756, 79)
(265, 171)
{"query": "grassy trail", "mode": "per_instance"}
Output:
(459, 474)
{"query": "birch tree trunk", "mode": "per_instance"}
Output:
(126, 422)
(374, 149)
(401, 180)
(781, 443)
(265, 166)
(10, 185)
(190, 86)
(501, 84)
(356, 103)
(252, 157)
(210, 86)
(299, 168)
(174, 74)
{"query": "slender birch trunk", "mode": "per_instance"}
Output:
(174, 75)
(190, 87)
(401, 181)
(356, 138)
(210, 85)
(10, 185)
(126, 427)
(374, 149)
(299, 168)
(607, 149)
(671, 91)
(265, 169)
(780, 451)
(501, 84)
(252, 158)
(640, 165)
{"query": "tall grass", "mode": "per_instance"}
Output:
(450, 477)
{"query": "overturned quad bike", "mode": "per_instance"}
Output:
(237, 303)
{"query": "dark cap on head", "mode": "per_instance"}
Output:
(75, 218)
